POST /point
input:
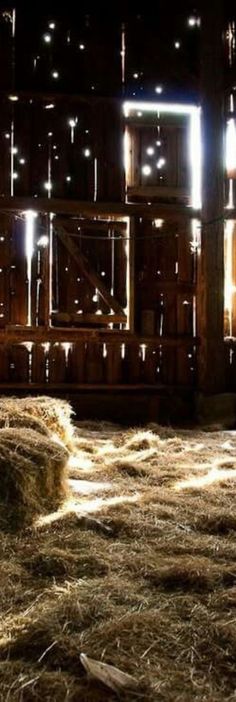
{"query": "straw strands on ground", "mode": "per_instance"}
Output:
(139, 575)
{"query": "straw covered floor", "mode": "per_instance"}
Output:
(137, 570)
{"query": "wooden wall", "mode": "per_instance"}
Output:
(85, 162)
(98, 287)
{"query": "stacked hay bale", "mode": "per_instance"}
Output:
(21, 420)
(34, 433)
(32, 476)
(55, 414)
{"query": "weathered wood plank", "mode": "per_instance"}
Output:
(211, 272)
(87, 209)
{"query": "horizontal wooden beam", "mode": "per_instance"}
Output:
(178, 195)
(95, 225)
(71, 388)
(40, 335)
(101, 319)
(97, 209)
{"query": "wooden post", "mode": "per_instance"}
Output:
(211, 270)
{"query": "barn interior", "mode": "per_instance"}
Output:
(117, 352)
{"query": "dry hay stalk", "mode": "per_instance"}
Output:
(55, 414)
(32, 472)
(149, 587)
(17, 419)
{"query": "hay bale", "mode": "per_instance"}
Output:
(55, 414)
(16, 419)
(32, 476)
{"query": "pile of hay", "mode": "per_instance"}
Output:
(54, 414)
(32, 476)
(141, 576)
(18, 419)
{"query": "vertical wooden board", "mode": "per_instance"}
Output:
(233, 369)
(169, 314)
(42, 126)
(160, 249)
(80, 162)
(72, 285)
(38, 364)
(234, 191)
(35, 281)
(120, 272)
(23, 145)
(233, 293)
(148, 136)
(185, 254)
(169, 365)
(58, 274)
(6, 115)
(183, 161)
(56, 364)
(134, 365)
(4, 364)
(186, 366)
(113, 133)
(150, 365)
(171, 166)
(4, 270)
(160, 314)
(94, 362)
(134, 172)
(61, 261)
(113, 363)
(211, 273)
(185, 314)
(228, 368)
(18, 364)
(77, 362)
(42, 284)
(74, 302)
(60, 164)
(150, 253)
(18, 275)
(169, 257)
(5, 53)
(99, 254)
(147, 322)
(98, 127)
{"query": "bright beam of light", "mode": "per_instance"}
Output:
(168, 107)
(229, 287)
(214, 476)
(95, 180)
(231, 147)
(29, 248)
(86, 487)
(86, 507)
(80, 462)
(195, 143)
(128, 274)
(127, 157)
(195, 157)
